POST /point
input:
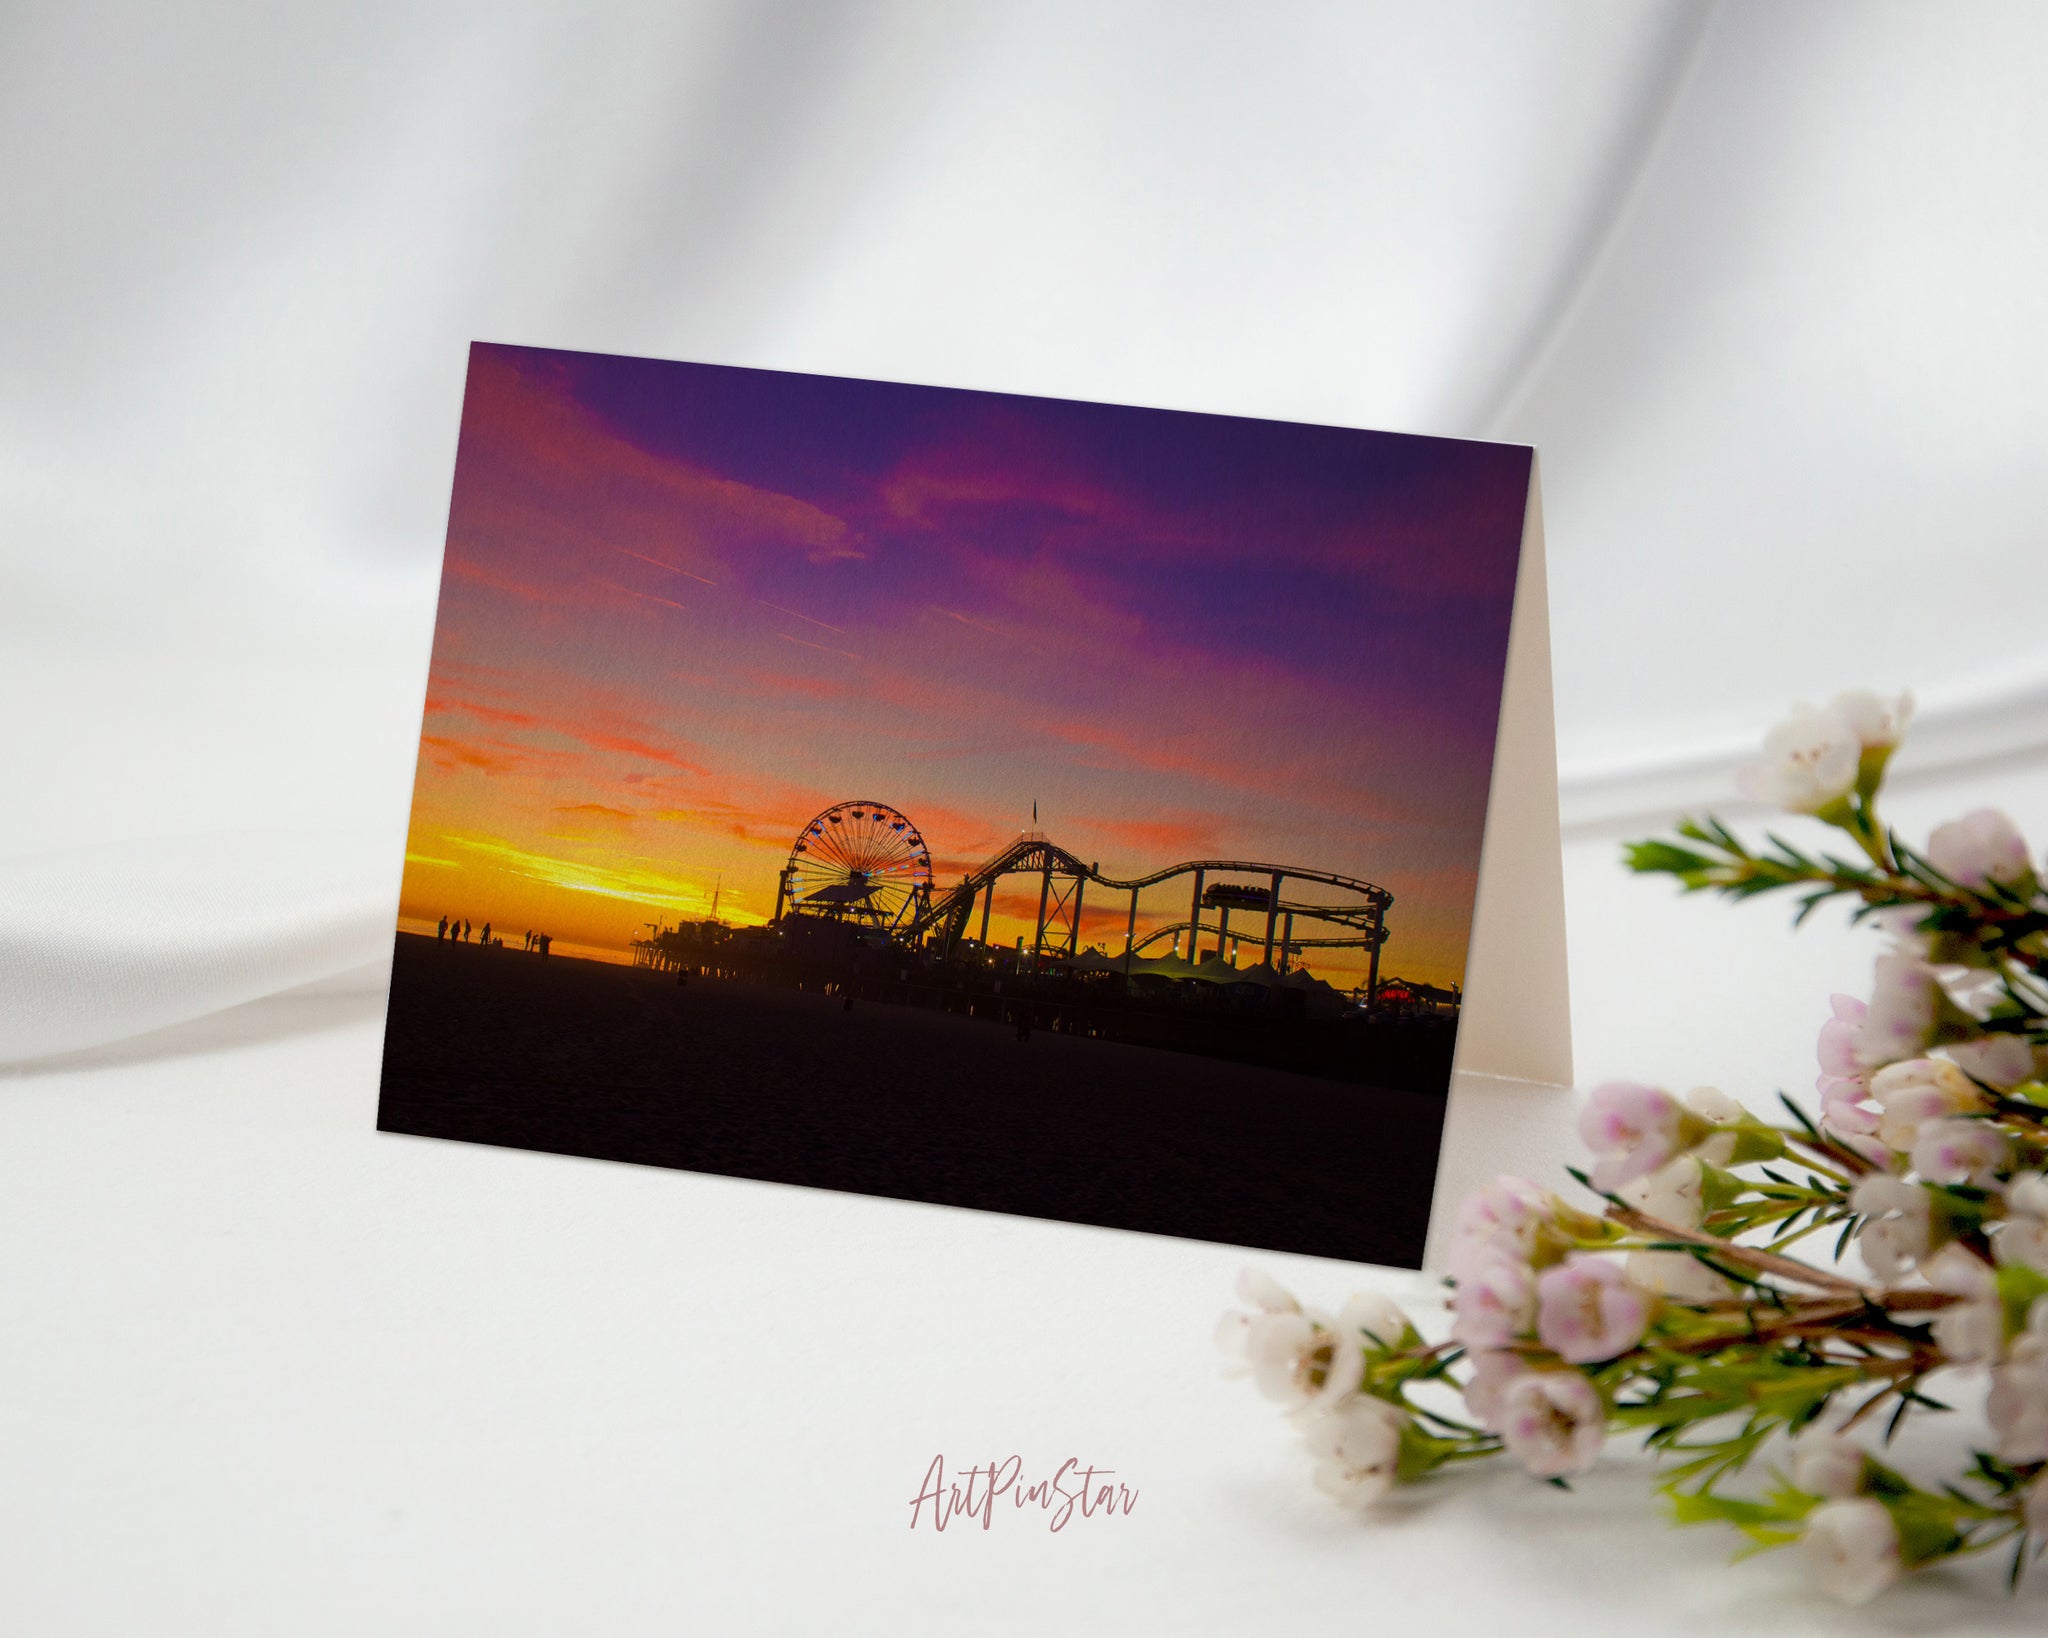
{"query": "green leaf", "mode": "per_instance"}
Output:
(1927, 1527)
(1809, 904)
(1754, 1142)
(1898, 1416)
(1696, 1508)
(2019, 1287)
(1848, 1233)
(1650, 858)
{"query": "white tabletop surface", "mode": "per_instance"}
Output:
(266, 1370)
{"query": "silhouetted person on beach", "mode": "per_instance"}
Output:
(465, 932)
(486, 939)
(529, 938)
(441, 932)
(543, 940)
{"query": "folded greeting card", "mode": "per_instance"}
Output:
(1047, 807)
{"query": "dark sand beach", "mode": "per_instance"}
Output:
(619, 1063)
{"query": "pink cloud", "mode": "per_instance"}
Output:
(535, 465)
(1168, 840)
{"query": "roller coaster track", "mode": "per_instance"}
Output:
(1064, 877)
(1297, 942)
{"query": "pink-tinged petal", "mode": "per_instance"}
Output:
(1904, 1004)
(1553, 1422)
(1978, 849)
(1588, 1311)
(1494, 1304)
(1632, 1130)
(1493, 1373)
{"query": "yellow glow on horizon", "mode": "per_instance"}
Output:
(601, 902)
(634, 883)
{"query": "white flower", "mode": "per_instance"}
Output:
(1810, 762)
(1852, 1547)
(2017, 1406)
(1911, 1094)
(1552, 1422)
(1845, 1108)
(1878, 723)
(1901, 926)
(1711, 1103)
(1826, 1464)
(1588, 1309)
(2023, 1237)
(1495, 1302)
(1678, 1275)
(1357, 1448)
(2000, 1060)
(1898, 1224)
(1502, 1219)
(1904, 1006)
(1262, 1295)
(1258, 1289)
(1674, 1196)
(1970, 1332)
(1954, 1150)
(1716, 1108)
(1836, 1049)
(1493, 1372)
(1379, 1318)
(1632, 1130)
(1978, 849)
(1303, 1361)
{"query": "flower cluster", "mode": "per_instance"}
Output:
(1677, 1303)
(1345, 1379)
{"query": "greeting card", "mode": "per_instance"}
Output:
(1118, 815)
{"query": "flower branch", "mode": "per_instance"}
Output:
(1673, 1308)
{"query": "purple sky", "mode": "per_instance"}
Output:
(686, 607)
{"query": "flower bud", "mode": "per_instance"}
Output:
(1826, 1464)
(1852, 1548)
(1978, 849)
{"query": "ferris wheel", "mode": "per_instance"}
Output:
(858, 861)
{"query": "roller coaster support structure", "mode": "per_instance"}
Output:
(1359, 922)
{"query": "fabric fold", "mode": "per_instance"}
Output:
(104, 943)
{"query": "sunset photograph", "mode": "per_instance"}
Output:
(939, 794)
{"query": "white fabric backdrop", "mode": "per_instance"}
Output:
(1763, 281)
